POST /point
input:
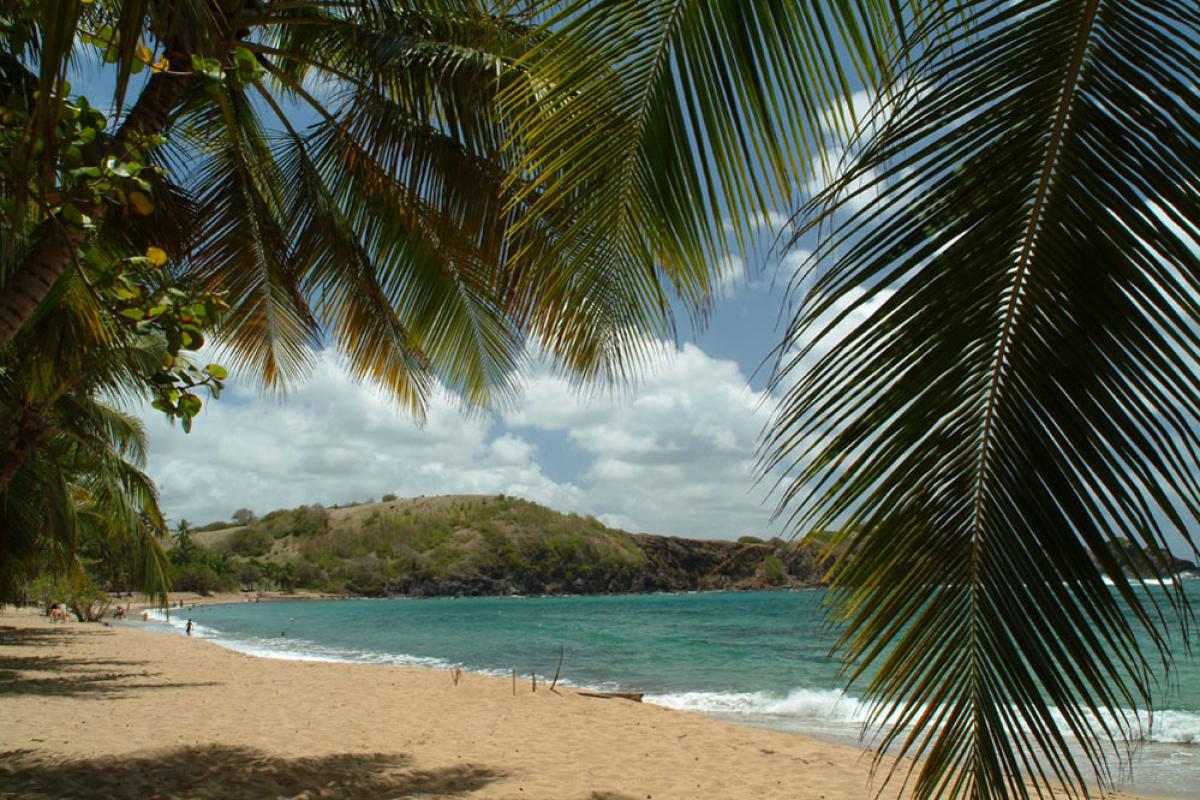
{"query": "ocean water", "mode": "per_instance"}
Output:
(758, 658)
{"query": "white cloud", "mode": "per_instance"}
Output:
(830, 166)
(732, 272)
(848, 112)
(331, 441)
(828, 331)
(674, 455)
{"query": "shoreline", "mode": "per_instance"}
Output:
(88, 701)
(477, 738)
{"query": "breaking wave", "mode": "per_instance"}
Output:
(832, 708)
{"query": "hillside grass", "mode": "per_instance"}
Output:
(372, 547)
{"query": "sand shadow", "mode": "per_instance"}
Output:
(58, 676)
(217, 772)
(41, 637)
(106, 684)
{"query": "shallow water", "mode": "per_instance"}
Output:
(758, 658)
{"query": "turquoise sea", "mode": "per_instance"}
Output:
(757, 658)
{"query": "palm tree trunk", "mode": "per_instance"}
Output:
(33, 280)
(56, 244)
(29, 432)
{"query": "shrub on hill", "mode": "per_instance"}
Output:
(197, 577)
(250, 542)
(468, 540)
(303, 521)
(774, 572)
(198, 569)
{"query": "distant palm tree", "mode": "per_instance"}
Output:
(83, 482)
(183, 536)
(1017, 223)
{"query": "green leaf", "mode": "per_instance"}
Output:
(73, 215)
(191, 340)
(190, 405)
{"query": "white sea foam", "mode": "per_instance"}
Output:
(179, 622)
(831, 708)
(1179, 727)
(819, 705)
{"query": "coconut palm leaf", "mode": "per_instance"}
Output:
(243, 249)
(656, 127)
(1020, 231)
(408, 91)
(407, 154)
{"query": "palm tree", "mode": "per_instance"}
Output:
(83, 484)
(183, 537)
(1017, 221)
(71, 456)
(385, 221)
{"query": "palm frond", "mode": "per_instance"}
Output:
(1021, 233)
(444, 289)
(243, 249)
(129, 28)
(655, 127)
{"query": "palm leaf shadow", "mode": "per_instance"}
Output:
(221, 771)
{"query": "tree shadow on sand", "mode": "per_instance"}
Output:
(47, 674)
(45, 637)
(217, 772)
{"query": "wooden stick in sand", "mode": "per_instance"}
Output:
(514, 681)
(561, 652)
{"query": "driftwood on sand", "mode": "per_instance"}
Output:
(634, 696)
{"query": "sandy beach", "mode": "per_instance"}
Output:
(117, 712)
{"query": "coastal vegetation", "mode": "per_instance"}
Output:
(475, 545)
(1012, 219)
(201, 206)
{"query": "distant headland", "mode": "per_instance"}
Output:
(473, 545)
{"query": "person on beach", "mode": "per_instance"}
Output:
(189, 628)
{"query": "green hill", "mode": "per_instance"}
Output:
(477, 545)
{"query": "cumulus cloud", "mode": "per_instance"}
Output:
(678, 456)
(673, 455)
(331, 441)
